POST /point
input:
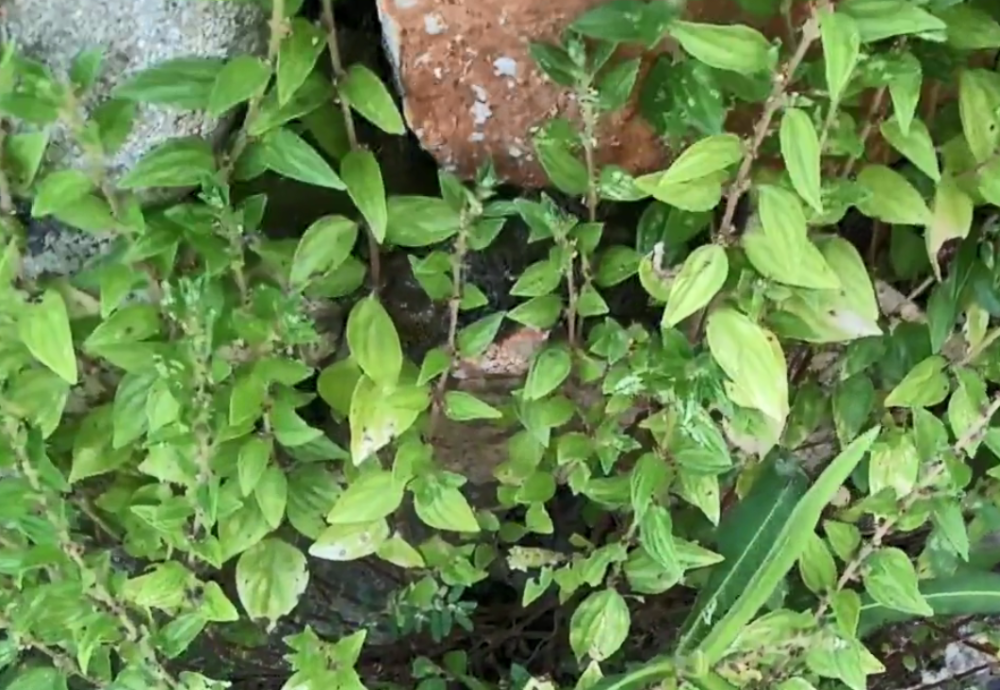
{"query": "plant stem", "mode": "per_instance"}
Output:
(810, 33)
(339, 74)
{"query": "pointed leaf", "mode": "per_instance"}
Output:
(44, 329)
(800, 151)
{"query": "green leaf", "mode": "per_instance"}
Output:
(979, 108)
(58, 190)
(36, 678)
(114, 119)
(271, 494)
(676, 96)
(538, 279)
(44, 329)
(549, 369)
(881, 19)
(443, 507)
(703, 158)
(616, 84)
(962, 594)
(753, 362)
(419, 221)
(656, 537)
(785, 550)
(841, 50)
(288, 154)
(185, 82)
(374, 342)
(701, 277)
(323, 247)
(297, 56)
(555, 152)
(800, 151)
(777, 243)
(370, 497)
(970, 28)
(731, 47)
(746, 534)
(289, 429)
(916, 144)
(540, 312)
(241, 79)
(398, 551)
(361, 173)
(905, 89)
(474, 339)
(891, 198)
(461, 407)
(311, 493)
(86, 68)
(618, 21)
(216, 606)
(366, 94)
(816, 566)
(270, 577)
(599, 625)
(351, 541)
(185, 162)
(891, 580)
(255, 454)
(925, 385)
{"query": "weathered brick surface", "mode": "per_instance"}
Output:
(471, 90)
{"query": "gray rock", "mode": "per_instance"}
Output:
(134, 34)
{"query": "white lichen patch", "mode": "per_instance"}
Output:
(434, 24)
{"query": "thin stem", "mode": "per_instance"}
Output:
(339, 74)
(810, 33)
(872, 120)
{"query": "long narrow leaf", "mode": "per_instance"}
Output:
(643, 677)
(786, 549)
(965, 594)
(745, 537)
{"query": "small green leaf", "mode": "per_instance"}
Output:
(86, 68)
(241, 79)
(474, 339)
(255, 454)
(841, 50)
(599, 625)
(323, 247)
(419, 221)
(891, 580)
(360, 171)
(700, 279)
(370, 497)
(366, 93)
(58, 190)
(300, 49)
(732, 47)
(44, 329)
(374, 342)
(185, 82)
(271, 494)
(816, 566)
(800, 151)
(443, 507)
(555, 152)
(951, 219)
(616, 84)
(703, 158)
(916, 144)
(878, 20)
(270, 577)
(925, 385)
(461, 406)
(979, 108)
(962, 594)
(186, 162)
(549, 368)
(288, 154)
(350, 542)
(289, 428)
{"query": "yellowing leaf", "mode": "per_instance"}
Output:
(349, 542)
(891, 198)
(951, 220)
(800, 151)
(752, 360)
(702, 276)
(979, 102)
(778, 245)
